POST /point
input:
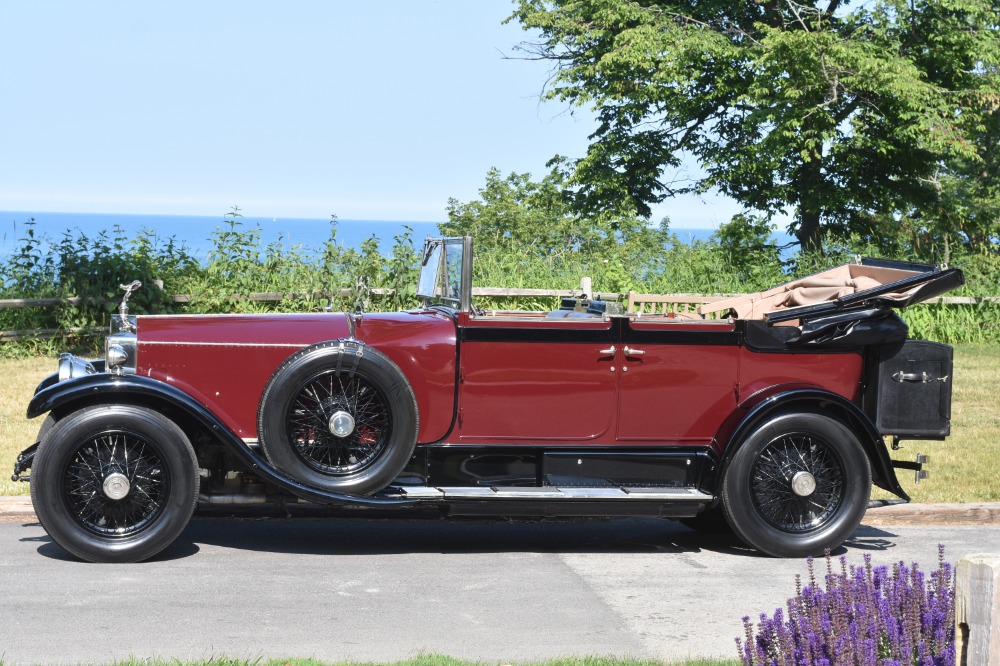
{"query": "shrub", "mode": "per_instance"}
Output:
(866, 616)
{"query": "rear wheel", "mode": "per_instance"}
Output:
(114, 483)
(797, 486)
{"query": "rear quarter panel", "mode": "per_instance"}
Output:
(838, 373)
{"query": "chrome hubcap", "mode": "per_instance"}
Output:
(341, 424)
(116, 486)
(803, 484)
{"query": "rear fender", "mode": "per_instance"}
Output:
(769, 403)
(73, 394)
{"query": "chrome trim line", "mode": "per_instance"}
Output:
(226, 344)
(675, 493)
(593, 493)
(462, 491)
(422, 492)
(520, 493)
(447, 493)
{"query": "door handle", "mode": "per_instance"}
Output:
(610, 351)
(633, 352)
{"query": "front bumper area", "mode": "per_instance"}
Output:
(23, 463)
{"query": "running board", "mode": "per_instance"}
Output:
(465, 493)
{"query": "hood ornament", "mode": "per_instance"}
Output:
(127, 325)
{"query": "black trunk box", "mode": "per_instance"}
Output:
(914, 390)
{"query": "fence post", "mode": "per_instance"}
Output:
(586, 286)
(977, 611)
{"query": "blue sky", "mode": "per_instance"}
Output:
(367, 110)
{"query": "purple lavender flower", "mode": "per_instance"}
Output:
(864, 616)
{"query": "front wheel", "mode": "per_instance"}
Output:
(114, 483)
(798, 485)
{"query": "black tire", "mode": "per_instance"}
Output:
(88, 456)
(45, 427)
(295, 420)
(778, 518)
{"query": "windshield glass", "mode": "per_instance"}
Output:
(441, 271)
(429, 269)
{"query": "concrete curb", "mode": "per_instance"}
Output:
(973, 513)
(18, 507)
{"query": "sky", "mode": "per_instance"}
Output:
(377, 110)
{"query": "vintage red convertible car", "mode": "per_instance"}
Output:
(769, 410)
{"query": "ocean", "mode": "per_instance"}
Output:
(195, 232)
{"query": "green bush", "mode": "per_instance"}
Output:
(739, 258)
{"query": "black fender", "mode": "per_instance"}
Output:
(791, 398)
(72, 394)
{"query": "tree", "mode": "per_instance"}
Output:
(840, 116)
(519, 215)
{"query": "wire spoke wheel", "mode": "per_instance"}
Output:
(115, 484)
(317, 441)
(807, 504)
(338, 415)
(797, 485)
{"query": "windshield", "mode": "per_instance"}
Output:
(444, 267)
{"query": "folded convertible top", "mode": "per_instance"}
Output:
(866, 284)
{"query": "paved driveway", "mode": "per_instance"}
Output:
(388, 589)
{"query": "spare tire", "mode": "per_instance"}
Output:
(339, 416)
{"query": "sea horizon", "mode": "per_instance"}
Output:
(195, 231)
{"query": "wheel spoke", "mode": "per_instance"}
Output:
(771, 483)
(95, 459)
(308, 423)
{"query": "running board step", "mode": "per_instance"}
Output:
(446, 493)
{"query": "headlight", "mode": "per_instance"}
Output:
(70, 367)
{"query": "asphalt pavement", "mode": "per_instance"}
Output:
(362, 589)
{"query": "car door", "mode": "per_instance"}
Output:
(679, 380)
(531, 379)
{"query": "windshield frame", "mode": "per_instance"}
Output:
(445, 273)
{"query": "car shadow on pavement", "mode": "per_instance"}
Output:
(868, 538)
(354, 536)
(48, 548)
(339, 536)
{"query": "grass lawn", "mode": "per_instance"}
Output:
(962, 468)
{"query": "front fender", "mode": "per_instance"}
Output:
(791, 398)
(73, 394)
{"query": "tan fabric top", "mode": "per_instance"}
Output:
(819, 288)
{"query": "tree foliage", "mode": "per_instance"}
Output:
(846, 116)
(519, 215)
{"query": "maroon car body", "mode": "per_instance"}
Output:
(770, 416)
